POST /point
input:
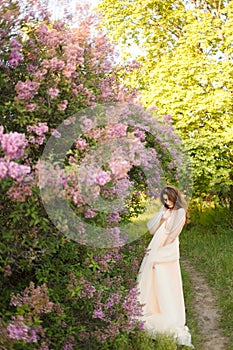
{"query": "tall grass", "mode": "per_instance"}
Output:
(191, 317)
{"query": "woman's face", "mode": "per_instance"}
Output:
(168, 202)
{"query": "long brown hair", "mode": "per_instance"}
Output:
(176, 197)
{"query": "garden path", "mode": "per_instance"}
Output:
(208, 314)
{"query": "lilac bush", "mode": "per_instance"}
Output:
(110, 166)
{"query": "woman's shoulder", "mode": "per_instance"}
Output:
(181, 211)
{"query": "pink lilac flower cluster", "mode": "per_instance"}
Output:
(103, 172)
(72, 189)
(102, 177)
(107, 260)
(104, 308)
(66, 50)
(109, 132)
(85, 291)
(39, 130)
(122, 187)
(113, 131)
(15, 55)
(13, 145)
(118, 237)
(53, 177)
(69, 343)
(131, 304)
(119, 313)
(20, 191)
(62, 105)
(53, 92)
(14, 170)
(89, 213)
(81, 144)
(18, 330)
(37, 299)
(26, 90)
(36, 302)
(113, 219)
(119, 167)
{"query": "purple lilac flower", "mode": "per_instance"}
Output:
(26, 90)
(31, 107)
(53, 92)
(122, 187)
(119, 167)
(31, 68)
(120, 130)
(115, 131)
(113, 330)
(62, 105)
(68, 346)
(90, 213)
(114, 217)
(16, 171)
(19, 191)
(131, 304)
(56, 134)
(90, 290)
(41, 129)
(81, 144)
(102, 178)
(3, 169)
(115, 233)
(13, 144)
(1, 131)
(15, 58)
(87, 124)
(17, 331)
(71, 120)
(168, 118)
(98, 313)
(112, 300)
(32, 336)
(15, 44)
(140, 134)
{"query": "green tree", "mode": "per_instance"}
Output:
(185, 69)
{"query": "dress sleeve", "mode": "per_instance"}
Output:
(153, 224)
(174, 225)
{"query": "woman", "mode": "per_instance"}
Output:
(159, 278)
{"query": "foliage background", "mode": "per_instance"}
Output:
(185, 69)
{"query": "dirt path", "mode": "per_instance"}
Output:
(208, 314)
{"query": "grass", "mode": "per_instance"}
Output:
(191, 319)
(208, 244)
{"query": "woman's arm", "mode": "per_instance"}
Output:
(174, 225)
(154, 223)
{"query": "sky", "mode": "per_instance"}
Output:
(57, 9)
(57, 6)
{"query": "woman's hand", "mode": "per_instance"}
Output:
(166, 214)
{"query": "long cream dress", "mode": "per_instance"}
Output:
(159, 279)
